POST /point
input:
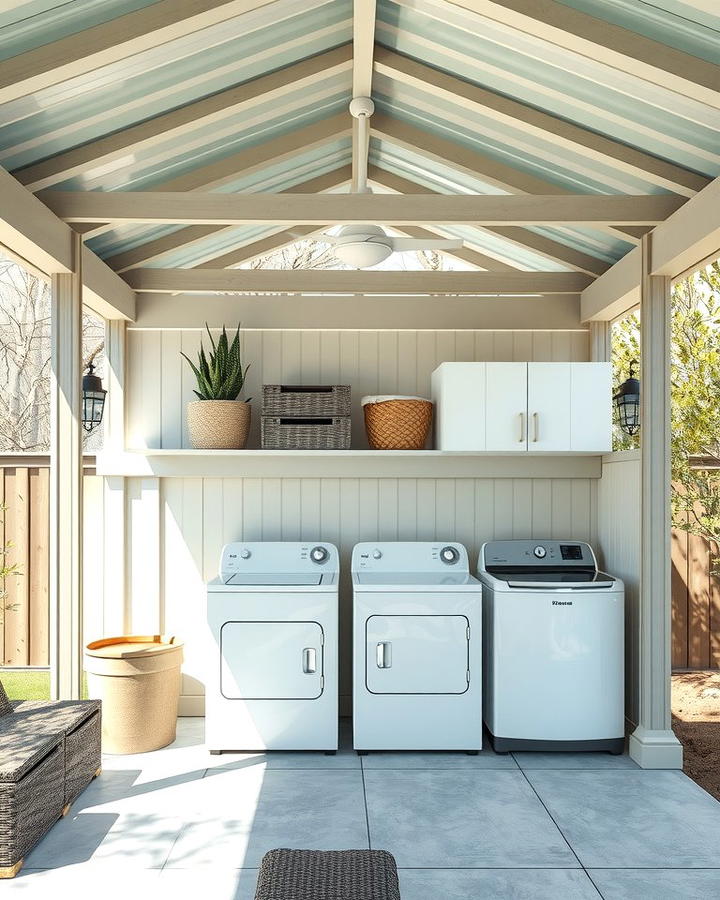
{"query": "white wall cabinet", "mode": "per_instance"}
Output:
(519, 407)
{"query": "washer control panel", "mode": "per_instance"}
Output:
(538, 554)
(409, 556)
(266, 557)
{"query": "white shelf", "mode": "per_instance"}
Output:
(165, 463)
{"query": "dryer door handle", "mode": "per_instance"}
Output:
(383, 655)
(309, 661)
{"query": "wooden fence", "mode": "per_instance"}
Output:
(24, 617)
(695, 603)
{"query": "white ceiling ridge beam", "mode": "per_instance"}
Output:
(109, 42)
(185, 237)
(491, 171)
(202, 113)
(607, 43)
(247, 161)
(31, 231)
(546, 247)
(448, 88)
(298, 281)
(687, 238)
(364, 13)
(195, 208)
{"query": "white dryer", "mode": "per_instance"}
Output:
(554, 647)
(273, 661)
(417, 648)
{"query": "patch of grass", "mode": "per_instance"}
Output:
(28, 685)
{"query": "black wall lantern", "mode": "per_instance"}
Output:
(93, 399)
(627, 403)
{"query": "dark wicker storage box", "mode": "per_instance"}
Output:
(306, 401)
(289, 433)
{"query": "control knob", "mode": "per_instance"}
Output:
(245, 554)
(449, 555)
(377, 554)
(540, 552)
(319, 554)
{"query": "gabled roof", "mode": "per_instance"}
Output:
(471, 97)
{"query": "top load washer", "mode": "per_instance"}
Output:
(554, 647)
(273, 660)
(417, 648)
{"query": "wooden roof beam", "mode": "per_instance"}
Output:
(298, 281)
(204, 113)
(363, 51)
(196, 208)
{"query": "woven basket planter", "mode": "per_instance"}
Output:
(218, 424)
(397, 423)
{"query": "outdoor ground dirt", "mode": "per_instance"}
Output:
(696, 722)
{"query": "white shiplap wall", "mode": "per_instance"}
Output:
(618, 545)
(176, 526)
(373, 362)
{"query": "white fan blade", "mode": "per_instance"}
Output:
(400, 244)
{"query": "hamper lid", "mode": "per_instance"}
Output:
(128, 646)
(383, 398)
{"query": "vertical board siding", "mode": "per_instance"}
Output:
(160, 382)
(618, 547)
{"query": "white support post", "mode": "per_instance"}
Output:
(115, 487)
(66, 477)
(653, 744)
(600, 341)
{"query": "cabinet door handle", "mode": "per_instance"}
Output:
(383, 655)
(309, 661)
(536, 427)
(521, 437)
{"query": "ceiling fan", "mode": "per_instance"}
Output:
(362, 246)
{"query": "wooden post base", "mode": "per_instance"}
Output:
(11, 871)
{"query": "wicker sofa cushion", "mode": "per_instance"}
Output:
(34, 728)
(328, 875)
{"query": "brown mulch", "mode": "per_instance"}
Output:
(696, 722)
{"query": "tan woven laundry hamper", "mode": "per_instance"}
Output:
(396, 422)
(137, 677)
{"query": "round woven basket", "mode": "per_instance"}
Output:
(218, 424)
(397, 423)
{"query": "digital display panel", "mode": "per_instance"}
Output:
(571, 551)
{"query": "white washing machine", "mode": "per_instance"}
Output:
(417, 648)
(554, 647)
(273, 658)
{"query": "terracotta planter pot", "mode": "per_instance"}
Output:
(218, 424)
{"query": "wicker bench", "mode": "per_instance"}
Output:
(328, 875)
(49, 752)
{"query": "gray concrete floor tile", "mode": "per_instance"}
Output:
(633, 818)
(447, 819)
(496, 884)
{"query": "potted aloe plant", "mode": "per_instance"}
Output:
(218, 420)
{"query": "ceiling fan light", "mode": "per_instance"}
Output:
(362, 254)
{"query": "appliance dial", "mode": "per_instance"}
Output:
(449, 555)
(540, 552)
(377, 554)
(245, 554)
(319, 554)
